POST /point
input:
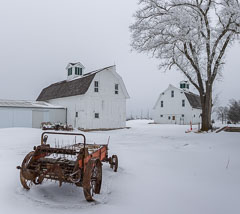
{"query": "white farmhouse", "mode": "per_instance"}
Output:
(95, 100)
(177, 106)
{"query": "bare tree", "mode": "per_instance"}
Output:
(190, 35)
(222, 113)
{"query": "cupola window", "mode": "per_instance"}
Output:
(78, 71)
(74, 70)
(69, 71)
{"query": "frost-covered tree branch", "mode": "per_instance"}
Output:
(190, 35)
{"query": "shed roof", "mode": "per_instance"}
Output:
(77, 86)
(27, 104)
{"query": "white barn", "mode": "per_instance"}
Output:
(30, 114)
(177, 106)
(95, 100)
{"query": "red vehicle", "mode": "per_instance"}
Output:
(80, 164)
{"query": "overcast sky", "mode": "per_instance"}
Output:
(39, 37)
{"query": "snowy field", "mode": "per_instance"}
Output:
(162, 170)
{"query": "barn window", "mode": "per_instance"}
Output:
(69, 71)
(76, 114)
(116, 88)
(172, 93)
(182, 115)
(169, 118)
(161, 115)
(183, 103)
(96, 115)
(162, 104)
(96, 86)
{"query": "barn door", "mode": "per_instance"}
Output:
(39, 116)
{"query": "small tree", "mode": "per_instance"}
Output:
(234, 111)
(191, 36)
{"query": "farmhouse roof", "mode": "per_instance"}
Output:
(194, 100)
(77, 86)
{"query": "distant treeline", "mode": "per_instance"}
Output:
(230, 113)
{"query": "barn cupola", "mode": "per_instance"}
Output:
(74, 70)
(184, 85)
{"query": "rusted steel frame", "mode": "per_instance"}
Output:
(100, 153)
(62, 133)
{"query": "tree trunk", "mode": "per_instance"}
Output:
(207, 109)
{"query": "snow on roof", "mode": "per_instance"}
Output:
(27, 104)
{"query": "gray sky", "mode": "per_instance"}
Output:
(38, 38)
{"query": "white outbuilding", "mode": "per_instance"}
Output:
(19, 113)
(177, 106)
(95, 100)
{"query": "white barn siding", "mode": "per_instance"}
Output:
(172, 107)
(48, 115)
(110, 106)
(15, 117)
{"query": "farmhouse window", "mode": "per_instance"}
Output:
(96, 86)
(162, 104)
(76, 114)
(169, 118)
(116, 88)
(183, 103)
(182, 115)
(161, 115)
(96, 115)
(173, 117)
(172, 93)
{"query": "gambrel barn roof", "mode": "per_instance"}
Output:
(77, 86)
(194, 100)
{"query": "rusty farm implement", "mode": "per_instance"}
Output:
(79, 164)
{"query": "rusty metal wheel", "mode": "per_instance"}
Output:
(26, 177)
(92, 179)
(114, 163)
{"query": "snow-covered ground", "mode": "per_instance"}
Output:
(162, 170)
